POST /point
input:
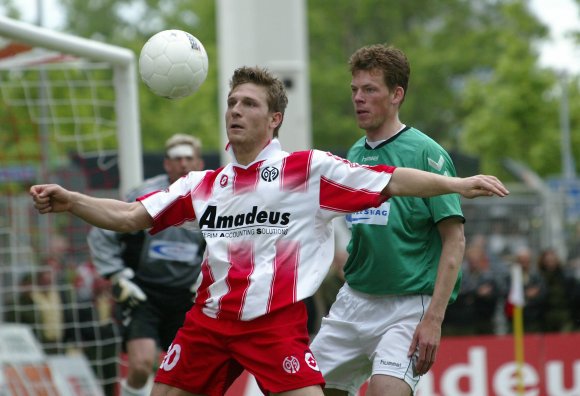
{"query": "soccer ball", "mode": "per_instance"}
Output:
(173, 64)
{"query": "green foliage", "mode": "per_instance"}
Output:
(10, 8)
(475, 85)
(574, 112)
(420, 28)
(130, 23)
(74, 101)
(509, 110)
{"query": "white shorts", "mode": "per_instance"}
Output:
(364, 335)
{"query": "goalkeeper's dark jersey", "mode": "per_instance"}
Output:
(170, 259)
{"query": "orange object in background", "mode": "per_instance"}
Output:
(32, 379)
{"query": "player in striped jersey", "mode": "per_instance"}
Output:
(266, 218)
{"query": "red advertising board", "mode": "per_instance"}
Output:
(484, 366)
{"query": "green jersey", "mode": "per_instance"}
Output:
(395, 248)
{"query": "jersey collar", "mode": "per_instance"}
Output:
(272, 150)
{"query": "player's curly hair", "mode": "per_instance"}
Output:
(391, 61)
(275, 90)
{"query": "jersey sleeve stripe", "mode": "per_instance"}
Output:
(341, 198)
(204, 189)
(296, 171)
(175, 214)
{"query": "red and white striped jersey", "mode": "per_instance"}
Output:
(267, 225)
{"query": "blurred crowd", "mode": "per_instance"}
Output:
(551, 290)
(69, 307)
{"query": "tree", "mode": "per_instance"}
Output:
(511, 110)
(436, 37)
(475, 84)
(130, 23)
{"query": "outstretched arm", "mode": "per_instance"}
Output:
(105, 213)
(417, 183)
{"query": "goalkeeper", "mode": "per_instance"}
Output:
(153, 276)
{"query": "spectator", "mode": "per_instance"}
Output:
(574, 266)
(473, 312)
(99, 335)
(534, 292)
(45, 308)
(559, 292)
(575, 303)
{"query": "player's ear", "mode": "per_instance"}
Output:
(276, 120)
(398, 95)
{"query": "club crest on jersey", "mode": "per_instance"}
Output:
(269, 173)
(291, 365)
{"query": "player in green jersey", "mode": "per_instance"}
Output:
(405, 256)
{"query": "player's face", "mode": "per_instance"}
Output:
(248, 120)
(180, 166)
(374, 104)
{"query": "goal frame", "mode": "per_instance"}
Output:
(123, 62)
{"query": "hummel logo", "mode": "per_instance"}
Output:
(370, 158)
(437, 165)
(387, 363)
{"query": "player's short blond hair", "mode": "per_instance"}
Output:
(182, 138)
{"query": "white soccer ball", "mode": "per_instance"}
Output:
(173, 64)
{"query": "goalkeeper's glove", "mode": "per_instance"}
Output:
(126, 291)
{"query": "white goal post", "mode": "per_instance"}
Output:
(125, 82)
(69, 114)
(281, 45)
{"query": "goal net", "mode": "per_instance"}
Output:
(68, 115)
